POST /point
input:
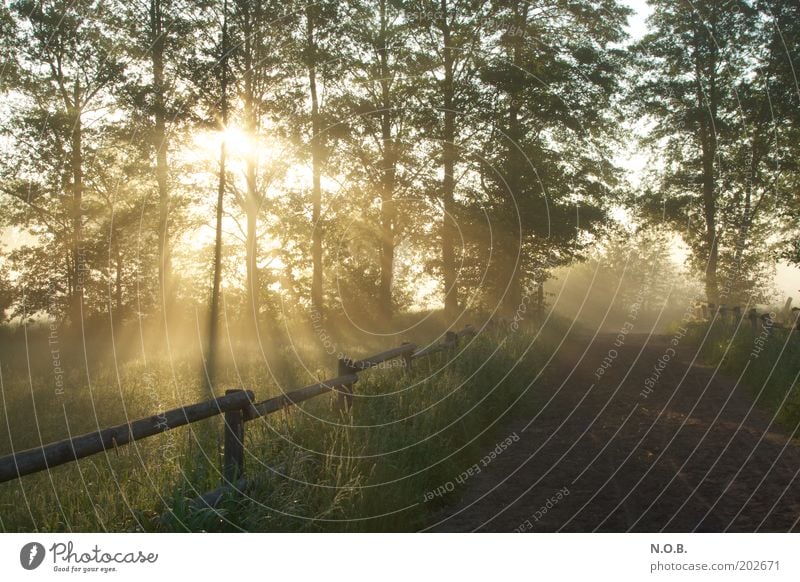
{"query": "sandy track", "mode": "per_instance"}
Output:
(693, 455)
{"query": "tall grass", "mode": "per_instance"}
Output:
(312, 468)
(768, 358)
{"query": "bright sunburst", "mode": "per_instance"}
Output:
(238, 143)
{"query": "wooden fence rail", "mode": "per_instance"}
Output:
(48, 456)
(259, 409)
(787, 318)
(238, 406)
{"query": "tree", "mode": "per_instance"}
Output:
(689, 67)
(780, 101)
(221, 74)
(381, 93)
(449, 37)
(258, 58)
(317, 35)
(8, 64)
(158, 37)
(552, 80)
(158, 44)
(70, 63)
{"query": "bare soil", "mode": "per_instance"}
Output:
(695, 454)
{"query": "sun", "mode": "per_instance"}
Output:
(239, 143)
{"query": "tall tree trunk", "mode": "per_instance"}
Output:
(160, 144)
(708, 144)
(513, 252)
(253, 199)
(316, 164)
(252, 207)
(388, 171)
(748, 213)
(710, 216)
(117, 277)
(540, 301)
(448, 165)
(213, 323)
(78, 265)
(211, 360)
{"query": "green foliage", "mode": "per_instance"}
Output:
(708, 79)
(548, 120)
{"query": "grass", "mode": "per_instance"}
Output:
(767, 359)
(313, 469)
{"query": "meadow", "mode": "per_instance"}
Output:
(313, 467)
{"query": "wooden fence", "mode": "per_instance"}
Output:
(786, 318)
(238, 406)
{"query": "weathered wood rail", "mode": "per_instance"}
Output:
(54, 454)
(238, 406)
(787, 318)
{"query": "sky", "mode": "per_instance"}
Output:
(637, 24)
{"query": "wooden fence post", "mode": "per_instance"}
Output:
(407, 359)
(539, 302)
(788, 312)
(451, 338)
(233, 462)
(344, 394)
(766, 322)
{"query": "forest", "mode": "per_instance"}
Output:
(375, 157)
(196, 194)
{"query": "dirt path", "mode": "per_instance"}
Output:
(604, 455)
